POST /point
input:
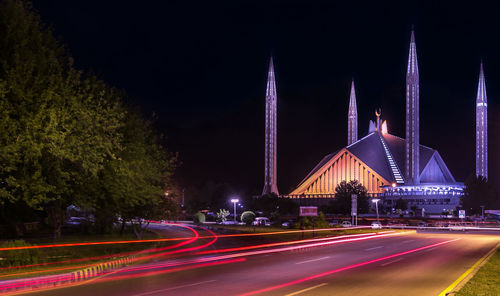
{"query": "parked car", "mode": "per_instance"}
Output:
(261, 221)
(346, 224)
(376, 225)
(288, 224)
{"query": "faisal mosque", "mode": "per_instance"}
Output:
(389, 167)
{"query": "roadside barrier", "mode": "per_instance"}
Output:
(30, 284)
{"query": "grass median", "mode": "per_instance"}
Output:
(486, 281)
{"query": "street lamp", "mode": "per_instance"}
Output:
(482, 213)
(235, 201)
(376, 200)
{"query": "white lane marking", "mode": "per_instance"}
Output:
(306, 289)
(312, 260)
(174, 288)
(408, 241)
(390, 262)
(374, 248)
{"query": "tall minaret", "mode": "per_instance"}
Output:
(412, 115)
(270, 175)
(481, 127)
(352, 118)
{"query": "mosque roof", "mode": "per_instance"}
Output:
(372, 152)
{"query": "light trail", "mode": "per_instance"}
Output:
(261, 252)
(272, 288)
(122, 277)
(40, 280)
(177, 238)
(207, 261)
(194, 238)
(285, 243)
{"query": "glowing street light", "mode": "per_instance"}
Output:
(376, 200)
(235, 201)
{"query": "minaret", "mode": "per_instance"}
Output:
(412, 115)
(270, 175)
(352, 118)
(481, 127)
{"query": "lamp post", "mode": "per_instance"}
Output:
(482, 213)
(235, 201)
(376, 200)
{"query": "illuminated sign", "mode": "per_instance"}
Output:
(308, 211)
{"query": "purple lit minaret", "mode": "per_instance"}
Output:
(412, 116)
(481, 127)
(352, 118)
(270, 175)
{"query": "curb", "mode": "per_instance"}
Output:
(51, 281)
(469, 274)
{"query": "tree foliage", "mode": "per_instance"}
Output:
(401, 204)
(67, 138)
(479, 192)
(343, 201)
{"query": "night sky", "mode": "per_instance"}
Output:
(201, 67)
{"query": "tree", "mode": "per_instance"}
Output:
(58, 128)
(343, 192)
(479, 192)
(401, 204)
(67, 138)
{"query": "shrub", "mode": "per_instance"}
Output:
(199, 218)
(248, 217)
(18, 257)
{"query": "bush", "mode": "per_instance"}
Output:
(199, 218)
(248, 217)
(313, 222)
(18, 257)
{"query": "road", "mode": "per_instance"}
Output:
(409, 264)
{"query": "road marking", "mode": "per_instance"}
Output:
(174, 288)
(306, 289)
(408, 241)
(312, 260)
(431, 249)
(465, 274)
(390, 262)
(374, 248)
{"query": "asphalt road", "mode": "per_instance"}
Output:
(410, 264)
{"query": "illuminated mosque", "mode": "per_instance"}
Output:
(389, 167)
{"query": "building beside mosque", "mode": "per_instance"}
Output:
(389, 167)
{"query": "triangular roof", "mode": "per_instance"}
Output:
(370, 150)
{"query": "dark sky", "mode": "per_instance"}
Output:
(201, 67)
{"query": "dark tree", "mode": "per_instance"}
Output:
(479, 192)
(343, 193)
(401, 204)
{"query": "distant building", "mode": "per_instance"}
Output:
(388, 166)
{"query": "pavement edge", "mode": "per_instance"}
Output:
(467, 275)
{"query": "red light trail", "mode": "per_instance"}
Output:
(174, 239)
(344, 268)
